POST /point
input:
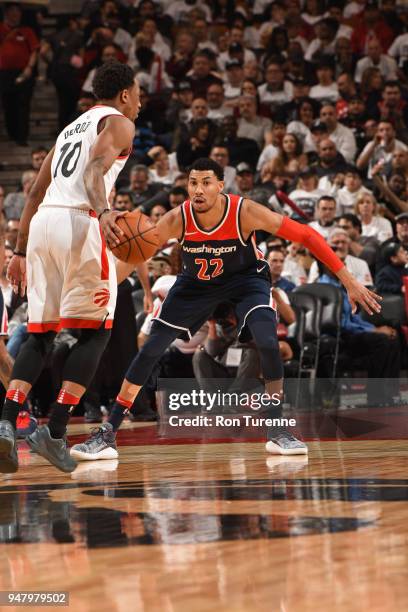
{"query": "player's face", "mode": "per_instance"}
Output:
(203, 189)
(133, 101)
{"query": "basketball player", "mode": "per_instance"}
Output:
(71, 278)
(220, 262)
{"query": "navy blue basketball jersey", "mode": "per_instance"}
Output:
(213, 255)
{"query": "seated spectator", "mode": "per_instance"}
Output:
(236, 50)
(306, 195)
(353, 188)
(378, 346)
(290, 159)
(156, 213)
(197, 145)
(164, 168)
(142, 192)
(302, 124)
(399, 50)
(294, 265)
(375, 58)
(366, 208)
(240, 149)
(325, 42)
(272, 149)
(201, 75)
(12, 228)
(181, 60)
(393, 108)
(251, 125)
(401, 237)
(123, 201)
(234, 76)
(276, 89)
(364, 247)
(245, 181)
(341, 135)
(313, 12)
(14, 202)
(220, 155)
(150, 71)
(108, 53)
(368, 24)
(201, 34)
(325, 213)
(177, 196)
(179, 104)
(217, 109)
(276, 260)
(381, 148)
(345, 59)
(326, 90)
(340, 242)
(347, 91)
(38, 154)
(389, 279)
(329, 161)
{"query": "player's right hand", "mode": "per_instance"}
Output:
(17, 274)
(110, 229)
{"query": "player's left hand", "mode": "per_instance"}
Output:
(358, 294)
(17, 274)
(148, 303)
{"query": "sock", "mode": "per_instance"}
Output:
(15, 399)
(120, 409)
(61, 412)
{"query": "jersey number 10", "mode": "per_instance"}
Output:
(68, 159)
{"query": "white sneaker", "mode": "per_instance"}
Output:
(281, 442)
(100, 445)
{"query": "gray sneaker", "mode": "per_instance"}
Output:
(8, 448)
(100, 445)
(53, 449)
(281, 442)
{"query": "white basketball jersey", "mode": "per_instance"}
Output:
(71, 155)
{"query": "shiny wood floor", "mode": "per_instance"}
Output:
(213, 527)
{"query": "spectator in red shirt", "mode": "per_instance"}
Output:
(371, 25)
(18, 56)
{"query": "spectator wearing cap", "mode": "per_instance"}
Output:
(239, 149)
(276, 89)
(201, 75)
(381, 148)
(217, 109)
(250, 124)
(18, 57)
(329, 161)
(364, 247)
(341, 135)
(326, 89)
(325, 41)
(366, 208)
(180, 103)
(325, 214)
(233, 80)
(376, 59)
(236, 50)
(389, 280)
(220, 155)
(352, 189)
(306, 195)
(339, 241)
(368, 25)
(353, 114)
(245, 180)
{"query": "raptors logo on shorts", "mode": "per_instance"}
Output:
(102, 297)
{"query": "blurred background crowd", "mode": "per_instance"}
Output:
(308, 98)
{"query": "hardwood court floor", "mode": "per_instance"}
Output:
(213, 527)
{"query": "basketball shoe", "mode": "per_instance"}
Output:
(53, 449)
(281, 442)
(8, 448)
(100, 445)
(26, 424)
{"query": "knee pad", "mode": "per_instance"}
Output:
(31, 358)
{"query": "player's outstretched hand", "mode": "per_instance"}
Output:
(110, 229)
(17, 275)
(358, 294)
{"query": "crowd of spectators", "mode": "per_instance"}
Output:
(305, 97)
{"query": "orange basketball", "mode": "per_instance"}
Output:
(140, 240)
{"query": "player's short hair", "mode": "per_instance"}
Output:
(112, 78)
(205, 163)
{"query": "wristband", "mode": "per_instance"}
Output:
(19, 253)
(104, 211)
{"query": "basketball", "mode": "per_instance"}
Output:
(140, 240)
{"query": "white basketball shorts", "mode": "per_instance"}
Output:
(71, 276)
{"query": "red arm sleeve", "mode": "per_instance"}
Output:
(312, 240)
